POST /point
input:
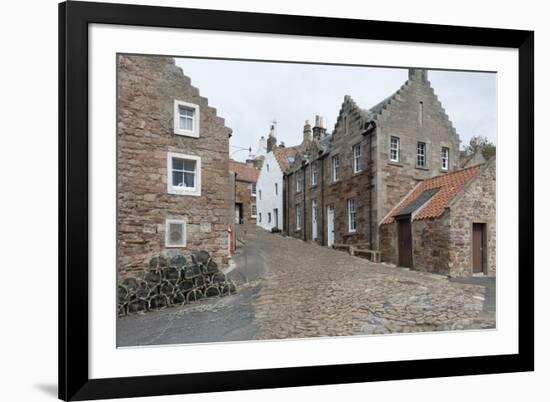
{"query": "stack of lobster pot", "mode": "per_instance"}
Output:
(173, 281)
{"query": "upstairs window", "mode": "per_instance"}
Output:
(298, 218)
(269, 217)
(445, 158)
(176, 235)
(352, 216)
(184, 174)
(253, 190)
(253, 211)
(314, 173)
(394, 149)
(421, 113)
(276, 188)
(335, 168)
(356, 150)
(421, 154)
(298, 182)
(186, 121)
(260, 194)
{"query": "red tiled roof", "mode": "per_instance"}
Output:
(449, 186)
(282, 154)
(244, 172)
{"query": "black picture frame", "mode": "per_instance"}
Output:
(74, 18)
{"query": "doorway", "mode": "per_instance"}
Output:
(330, 225)
(479, 236)
(404, 240)
(313, 219)
(239, 213)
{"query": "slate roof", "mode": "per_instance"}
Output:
(244, 172)
(428, 205)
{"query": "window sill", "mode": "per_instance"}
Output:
(422, 168)
(192, 193)
(349, 234)
(394, 163)
(180, 246)
(444, 170)
(184, 133)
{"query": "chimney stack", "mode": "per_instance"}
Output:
(319, 131)
(307, 132)
(271, 140)
(418, 74)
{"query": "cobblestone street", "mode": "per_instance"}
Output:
(288, 288)
(311, 290)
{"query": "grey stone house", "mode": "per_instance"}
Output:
(446, 224)
(173, 169)
(343, 184)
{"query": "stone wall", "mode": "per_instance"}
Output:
(401, 118)
(431, 245)
(147, 88)
(476, 204)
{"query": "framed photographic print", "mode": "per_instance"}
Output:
(258, 200)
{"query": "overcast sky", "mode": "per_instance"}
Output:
(250, 95)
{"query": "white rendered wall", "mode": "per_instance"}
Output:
(269, 201)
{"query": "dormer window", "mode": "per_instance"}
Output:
(186, 119)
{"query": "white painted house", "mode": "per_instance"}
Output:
(269, 188)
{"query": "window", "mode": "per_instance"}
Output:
(335, 167)
(186, 121)
(314, 173)
(253, 189)
(276, 188)
(394, 149)
(260, 217)
(298, 218)
(267, 167)
(175, 235)
(253, 211)
(421, 113)
(421, 154)
(260, 194)
(445, 158)
(184, 174)
(352, 216)
(269, 217)
(298, 182)
(356, 158)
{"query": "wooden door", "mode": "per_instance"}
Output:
(404, 242)
(478, 248)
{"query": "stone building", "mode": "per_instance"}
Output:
(446, 224)
(269, 197)
(345, 183)
(246, 177)
(173, 173)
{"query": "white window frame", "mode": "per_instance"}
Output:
(356, 154)
(299, 183)
(445, 158)
(352, 215)
(167, 224)
(195, 191)
(253, 210)
(298, 218)
(424, 155)
(196, 119)
(396, 148)
(253, 190)
(314, 173)
(335, 167)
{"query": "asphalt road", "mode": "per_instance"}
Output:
(224, 319)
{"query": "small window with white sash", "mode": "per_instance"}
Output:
(186, 118)
(184, 174)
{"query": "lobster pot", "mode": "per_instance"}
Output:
(137, 305)
(192, 271)
(200, 257)
(178, 297)
(172, 275)
(153, 277)
(194, 295)
(159, 301)
(212, 291)
(186, 285)
(211, 267)
(178, 261)
(158, 263)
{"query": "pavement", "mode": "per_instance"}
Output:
(288, 288)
